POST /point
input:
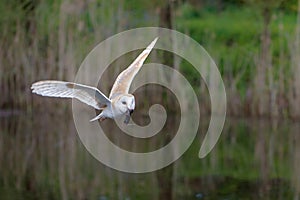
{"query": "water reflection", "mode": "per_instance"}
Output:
(42, 158)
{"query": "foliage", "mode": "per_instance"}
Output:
(232, 37)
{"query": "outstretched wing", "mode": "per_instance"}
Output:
(86, 94)
(123, 81)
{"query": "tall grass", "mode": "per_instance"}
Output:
(49, 39)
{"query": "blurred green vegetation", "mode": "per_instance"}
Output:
(232, 38)
(49, 39)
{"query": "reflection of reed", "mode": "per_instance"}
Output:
(296, 160)
(38, 156)
(44, 157)
(262, 155)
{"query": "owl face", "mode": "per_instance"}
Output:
(125, 104)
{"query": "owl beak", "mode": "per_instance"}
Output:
(127, 116)
(130, 111)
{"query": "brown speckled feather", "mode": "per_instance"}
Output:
(123, 81)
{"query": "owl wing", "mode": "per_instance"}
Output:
(86, 94)
(123, 81)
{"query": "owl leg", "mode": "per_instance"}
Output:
(102, 119)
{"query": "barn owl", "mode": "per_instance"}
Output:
(119, 103)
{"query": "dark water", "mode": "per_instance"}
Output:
(41, 157)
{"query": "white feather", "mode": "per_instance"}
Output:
(86, 94)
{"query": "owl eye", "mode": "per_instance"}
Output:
(124, 102)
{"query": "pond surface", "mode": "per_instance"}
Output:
(41, 157)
